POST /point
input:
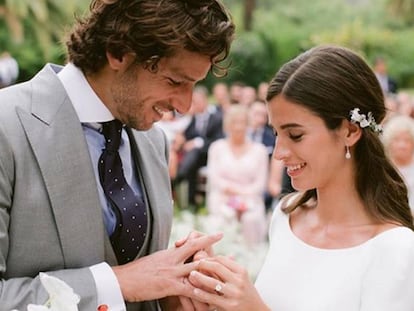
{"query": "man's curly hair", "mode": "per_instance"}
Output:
(151, 29)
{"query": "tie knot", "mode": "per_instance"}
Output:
(112, 133)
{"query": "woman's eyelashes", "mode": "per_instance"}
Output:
(292, 136)
(295, 137)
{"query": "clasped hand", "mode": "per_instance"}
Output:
(220, 283)
(164, 273)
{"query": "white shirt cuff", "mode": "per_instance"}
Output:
(107, 287)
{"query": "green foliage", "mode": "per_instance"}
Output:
(403, 9)
(250, 56)
(32, 30)
(289, 27)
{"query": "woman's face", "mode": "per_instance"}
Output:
(314, 156)
(236, 127)
(401, 148)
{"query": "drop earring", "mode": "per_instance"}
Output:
(347, 153)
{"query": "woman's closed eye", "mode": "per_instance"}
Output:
(295, 137)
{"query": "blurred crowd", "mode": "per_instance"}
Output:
(221, 152)
(220, 157)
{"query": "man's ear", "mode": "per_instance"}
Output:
(351, 132)
(120, 63)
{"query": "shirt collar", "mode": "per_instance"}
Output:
(88, 106)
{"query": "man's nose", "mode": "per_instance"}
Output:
(182, 101)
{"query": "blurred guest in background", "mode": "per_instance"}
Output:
(258, 129)
(262, 91)
(387, 83)
(237, 171)
(204, 128)
(398, 138)
(9, 69)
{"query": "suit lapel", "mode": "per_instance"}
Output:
(58, 143)
(156, 184)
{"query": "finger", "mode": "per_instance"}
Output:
(184, 270)
(228, 262)
(186, 304)
(207, 283)
(200, 255)
(209, 298)
(209, 251)
(180, 242)
(200, 306)
(196, 244)
(192, 234)
(220, 271)
(197, 305)
(195, 282)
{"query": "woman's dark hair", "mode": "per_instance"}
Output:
(331, 81)
(151, 29)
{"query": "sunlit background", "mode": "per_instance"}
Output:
(269, 32)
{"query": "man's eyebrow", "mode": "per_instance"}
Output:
(185, 77)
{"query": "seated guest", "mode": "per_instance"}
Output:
(204, 128)
(398, 138)
(237, 173)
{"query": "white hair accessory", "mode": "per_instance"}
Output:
(365, 121)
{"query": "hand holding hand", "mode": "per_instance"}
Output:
(188, 304)
(161, 274)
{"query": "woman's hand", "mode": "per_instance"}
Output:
(222, 283)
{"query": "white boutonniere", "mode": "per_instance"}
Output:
(61, 296)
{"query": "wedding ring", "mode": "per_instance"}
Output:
(218, 289)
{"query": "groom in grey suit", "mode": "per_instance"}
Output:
(129, 60)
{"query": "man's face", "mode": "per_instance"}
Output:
(140, 97)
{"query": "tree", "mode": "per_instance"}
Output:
(403, 9)
(43, 20)
(249, 6)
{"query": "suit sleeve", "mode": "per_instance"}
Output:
(18, 292)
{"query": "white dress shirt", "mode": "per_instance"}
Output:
(91, 111)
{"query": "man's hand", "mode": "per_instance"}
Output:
(163, 273)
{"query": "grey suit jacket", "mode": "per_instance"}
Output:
(50, 214)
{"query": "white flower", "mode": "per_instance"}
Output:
(365, 121)
(355, 116)
(61, 296)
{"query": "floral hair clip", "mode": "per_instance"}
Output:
(365, 121)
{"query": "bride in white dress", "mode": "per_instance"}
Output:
(345, 240)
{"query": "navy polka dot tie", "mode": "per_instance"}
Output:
(129, 235)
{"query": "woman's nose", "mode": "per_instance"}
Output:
(280, 152)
